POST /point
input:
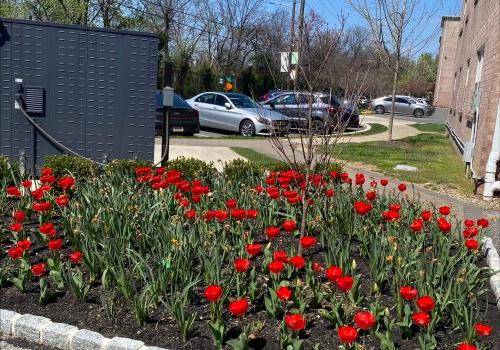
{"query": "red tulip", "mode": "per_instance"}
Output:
(384, 182)
(470, 232)
(373, 184)
(276, 266)
(297, 261)
(62, 200)
(13, 191)
(371, 195)
(231, 203)
(190, 214)
(66, 182)
(39, 269)
(345, 283)
(465, 346)
(483, 330)
(426, 303)
(15, 252)
(316, 266)
(272, 232)
(329, 193)
(364, 319)
(421, 319)
(284, 293)
(19, 216)
(426, 215)
(75, 257)
(24, 244)
(443, 225)
(238, 214)
(402, 187)
(253, 249)
(333, 273)
(362, 208)
(55, 244)
(333, 174)
(238, 307)
(16, 227)
(213, 293)
(308, 242)
(221, 215)
(390, 215)
(289, 226)
(395, 207)
(48, 229)
(359, 179)
(347, 334)
(471, 244)
(295, 322)
(417, 225)
(251, 213)
(444, 210)
(483, 222)
(26, 183)
(241, 265)
(469, 223)
(42, 207)
(280, 255)
(408, 293)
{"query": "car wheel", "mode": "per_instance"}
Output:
(418, 113)
(318, 127)
(380, 110)
(247, 128)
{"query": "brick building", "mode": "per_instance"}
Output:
(468, 83)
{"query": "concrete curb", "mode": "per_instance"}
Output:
(43, 331)
(493, 261)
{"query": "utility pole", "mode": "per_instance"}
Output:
(299, 44)
(167, 82)
(292, 35)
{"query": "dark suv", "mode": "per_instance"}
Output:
(326, 111)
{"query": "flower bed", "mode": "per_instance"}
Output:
(176, 263)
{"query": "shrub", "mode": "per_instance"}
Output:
(193, 168)
(66, 164)
(239, 169)
(125, 167)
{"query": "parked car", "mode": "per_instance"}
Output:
(404, 105)
(272, 93)
(239, 113)
(183, 118)
(326, 111)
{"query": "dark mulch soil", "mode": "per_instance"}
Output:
(161, 330)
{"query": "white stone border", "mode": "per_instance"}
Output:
(43, 331)
(493, 261)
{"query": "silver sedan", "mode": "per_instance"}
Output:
(239, 113)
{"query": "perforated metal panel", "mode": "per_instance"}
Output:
(97, 90)
(34, 99)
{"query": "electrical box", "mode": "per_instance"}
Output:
(468, 150)
(168, 96)
(91, 89)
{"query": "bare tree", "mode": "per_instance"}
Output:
(311, 152)
(397, 28)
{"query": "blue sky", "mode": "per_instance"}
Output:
(329, 10)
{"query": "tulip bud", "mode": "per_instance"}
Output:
(353, 265)
(386, 312)
(375, 287)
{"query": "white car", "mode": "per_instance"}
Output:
(236, 112)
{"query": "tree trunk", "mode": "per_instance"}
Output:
(393, 103)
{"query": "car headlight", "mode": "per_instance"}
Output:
(263, 120)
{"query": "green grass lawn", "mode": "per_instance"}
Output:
(376, 128)
(433, 155)
(256, 157)
(430, 127)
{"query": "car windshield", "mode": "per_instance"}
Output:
(180, 103)
(242, 101)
